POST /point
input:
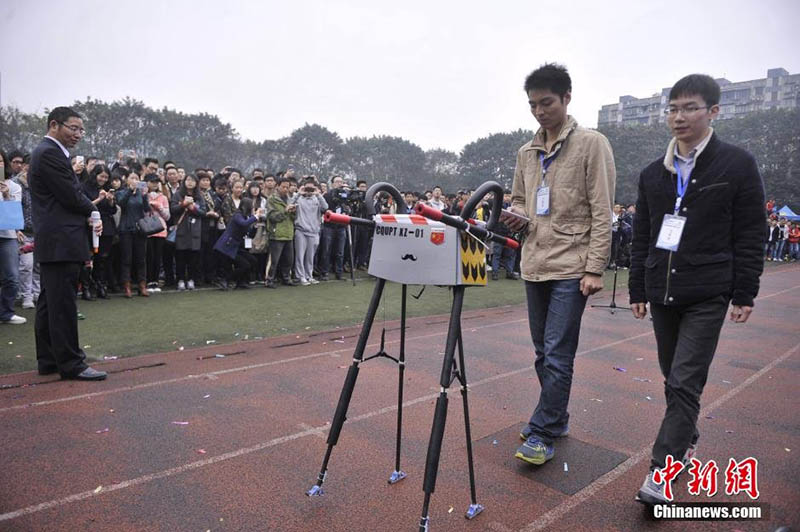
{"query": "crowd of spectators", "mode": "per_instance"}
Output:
(166, 228)
(232, 231)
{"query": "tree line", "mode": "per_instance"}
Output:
(202, 140)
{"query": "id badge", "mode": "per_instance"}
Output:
(543, 201)
(248, 243)
(671, 230)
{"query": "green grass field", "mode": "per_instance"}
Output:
(166, 321)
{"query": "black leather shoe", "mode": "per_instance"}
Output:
(88, 374)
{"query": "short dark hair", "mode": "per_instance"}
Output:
(148, 160)
(360, 181)
(135, 166)
(61, 115)
(697, 85)
(245, 206)
(219, 180)
(258, 170)
(14, 154)
(550, 76)
(169, 163)
(119, 172)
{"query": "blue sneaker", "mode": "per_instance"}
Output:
(535, 451)
(526, 432)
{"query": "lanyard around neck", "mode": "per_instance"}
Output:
(546, 162)
(683, 184)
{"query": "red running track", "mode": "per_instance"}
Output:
(252, 426)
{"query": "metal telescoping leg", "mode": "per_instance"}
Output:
(474, 508)
(440, 414)
(349, 384)
(398, 474)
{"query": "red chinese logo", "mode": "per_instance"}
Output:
(703, 478)
(742, 476)
(667, 475)
(437, 236)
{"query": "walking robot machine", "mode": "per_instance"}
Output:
(428, 247)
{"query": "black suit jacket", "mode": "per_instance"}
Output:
(722, 246)
(59, 206)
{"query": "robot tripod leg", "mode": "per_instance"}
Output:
(349, 384)
(440, 413)
(398, 474)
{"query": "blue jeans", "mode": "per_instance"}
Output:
(778, 251)
(9, 276)
(794, 250)
(332, 247)
(504, 256)
(555, 309)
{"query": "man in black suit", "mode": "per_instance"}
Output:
(60, 213)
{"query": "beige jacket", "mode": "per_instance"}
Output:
(575, 238)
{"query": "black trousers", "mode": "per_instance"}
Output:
(155, 250)
(687, 337)
(187, 264)
(169, 262)
(56, 326)
(133, 256)
(238, 269)
(282, 253)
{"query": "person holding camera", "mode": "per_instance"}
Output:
(187, 207)
(310, 206)
(155, 243)
(281, 234)
(230, 247)
(334, 236)
(361, 235)
(96, 188)
(134, 204)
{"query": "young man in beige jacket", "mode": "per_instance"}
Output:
(564, 183)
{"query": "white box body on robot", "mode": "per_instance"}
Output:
(411, 249)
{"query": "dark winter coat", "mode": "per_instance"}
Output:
(720, 252)
(189, 232)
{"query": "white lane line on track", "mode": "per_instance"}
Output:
(212, 374)
(540, 523)
(319, 433)
(312, 431)
(549, 518)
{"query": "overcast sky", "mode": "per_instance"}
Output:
(440, 74)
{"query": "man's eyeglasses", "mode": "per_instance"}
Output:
(686, 110)
(74, 129)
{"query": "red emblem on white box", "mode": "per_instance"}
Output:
(437, 236)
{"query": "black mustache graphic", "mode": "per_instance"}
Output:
(409, 256)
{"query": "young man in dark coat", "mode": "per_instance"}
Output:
(698, 239)
(60, 215)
